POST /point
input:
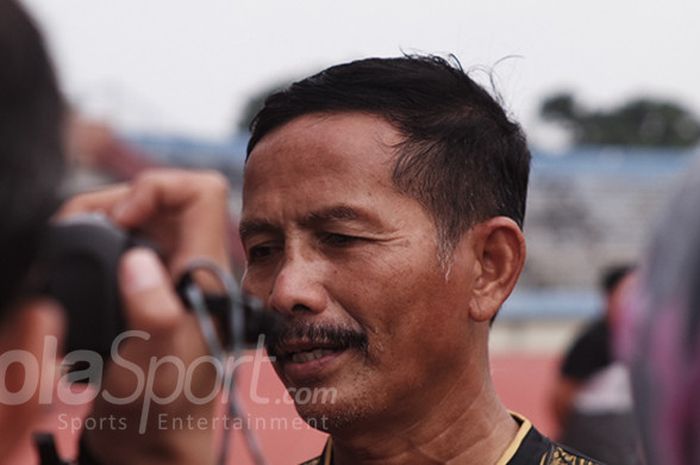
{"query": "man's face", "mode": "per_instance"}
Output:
(352, 263)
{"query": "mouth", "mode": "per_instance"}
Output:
(306, 354)
(305, 361)
(311, 355)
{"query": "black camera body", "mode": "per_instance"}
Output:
(78, 264)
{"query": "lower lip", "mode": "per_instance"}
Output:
(298, 372)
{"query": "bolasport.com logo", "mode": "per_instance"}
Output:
(81, 378)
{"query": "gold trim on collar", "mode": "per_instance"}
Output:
(513, 447)
(328, 452)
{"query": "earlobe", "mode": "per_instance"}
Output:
(499, 247)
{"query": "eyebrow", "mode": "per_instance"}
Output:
(248, 228)
(337, 213)
(329, 215)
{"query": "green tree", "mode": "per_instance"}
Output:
(560, 108)
(639, 122)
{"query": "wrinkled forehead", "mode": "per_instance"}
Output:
(340, 147)
(343, 125)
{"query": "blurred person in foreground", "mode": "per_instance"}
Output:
(383, 203)
(189, 212)
(592, 398)
(660, 334)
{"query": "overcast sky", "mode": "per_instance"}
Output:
(188, 66)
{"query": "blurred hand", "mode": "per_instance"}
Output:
(184, 212)
(158, 392)
(186, 215)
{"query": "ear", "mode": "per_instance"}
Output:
(499, 248)
(23, 344)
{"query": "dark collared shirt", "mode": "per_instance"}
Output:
(529, 447)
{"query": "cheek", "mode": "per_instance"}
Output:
(249, 285)
(258, 281)
(402, 304)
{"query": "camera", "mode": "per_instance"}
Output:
(77, 265)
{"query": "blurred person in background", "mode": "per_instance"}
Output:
(660, 333)
(193, 207)
(383, 203)
(592, 399)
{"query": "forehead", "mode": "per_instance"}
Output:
(323, 155)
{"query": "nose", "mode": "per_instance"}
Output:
(298, 288)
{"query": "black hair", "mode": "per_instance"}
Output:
(462, 158)
(31, 144)
(612, 277)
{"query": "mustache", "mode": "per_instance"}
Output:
(340, 336)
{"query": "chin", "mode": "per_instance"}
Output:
(341, 415)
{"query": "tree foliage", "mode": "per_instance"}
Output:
(639, 122)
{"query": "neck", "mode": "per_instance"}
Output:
(468, 426)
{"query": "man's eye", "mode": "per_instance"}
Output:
(259, 252)
(338, 240)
